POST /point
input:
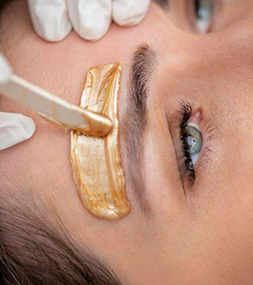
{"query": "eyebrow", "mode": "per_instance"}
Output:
(135, 119)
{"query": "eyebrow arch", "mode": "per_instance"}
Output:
(142, 70)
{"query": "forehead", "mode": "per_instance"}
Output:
(60, 68)
(27, 51)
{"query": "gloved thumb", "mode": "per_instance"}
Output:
(5, 70)
(14, 129)
(129, 12)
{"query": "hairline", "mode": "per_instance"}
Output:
(8, 218)
(37, 240)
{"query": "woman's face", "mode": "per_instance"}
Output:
(181, 230)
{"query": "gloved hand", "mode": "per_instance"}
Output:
(14, 128)
(53, 19)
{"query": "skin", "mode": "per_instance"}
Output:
(200, 234)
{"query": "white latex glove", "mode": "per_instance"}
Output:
(53, 19)
(14, 128)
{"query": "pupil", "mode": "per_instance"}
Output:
(197, 8)
(191, 141)
(194, 140)
(203, 9)
(203, 14)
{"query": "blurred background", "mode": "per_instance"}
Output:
(206, 16)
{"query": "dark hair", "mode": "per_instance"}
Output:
(37, 250)
(3, 3)
(162, 3)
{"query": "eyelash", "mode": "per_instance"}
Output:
(186, 113)
(207, 147)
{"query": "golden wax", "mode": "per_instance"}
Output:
(96, 162)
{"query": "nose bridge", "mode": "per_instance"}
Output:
(232, 47)
(186, 54)
(200, 56)
(189, 69)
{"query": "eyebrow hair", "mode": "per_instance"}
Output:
(134, 119)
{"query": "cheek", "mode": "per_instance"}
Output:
(223, 225)
(230, 234)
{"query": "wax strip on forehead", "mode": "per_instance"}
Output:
(96, 162)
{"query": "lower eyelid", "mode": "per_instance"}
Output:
(191, 15)
(197, 121)
(217, 4)
(208, 134)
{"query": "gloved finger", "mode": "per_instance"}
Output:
(5, 70)
(129, 12)
(50, 19)
(91, 19)
(14, 129)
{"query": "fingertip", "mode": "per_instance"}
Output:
(129, 12)
(50, 19)
(91, 19)
(14, 129)
(28, 127)
(49, 35)
(5, 70)
(94, 32)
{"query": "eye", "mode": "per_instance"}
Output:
(192, 146)
(194, 140)
(191, 140)
(203, 15)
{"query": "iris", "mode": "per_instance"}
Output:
(194, 140)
